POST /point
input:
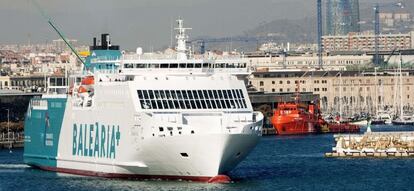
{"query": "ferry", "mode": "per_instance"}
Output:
(144, 116)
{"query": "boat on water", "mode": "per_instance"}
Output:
(296, 118)
(381, 118)
(404, 120)
(358, 119)
(343, 127)
(138, 116)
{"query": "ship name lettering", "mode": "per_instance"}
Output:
(95, 140)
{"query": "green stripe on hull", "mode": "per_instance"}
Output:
(42, 130)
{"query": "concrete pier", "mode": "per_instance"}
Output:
(374, 144)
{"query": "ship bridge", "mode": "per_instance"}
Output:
(133, 65)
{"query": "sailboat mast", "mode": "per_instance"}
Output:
(401, 89)
(340, 95)
(395, 92)
(376, 91)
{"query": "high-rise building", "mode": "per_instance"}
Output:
(342, 17)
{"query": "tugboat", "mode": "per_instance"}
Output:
(296, 118)
(293, 118)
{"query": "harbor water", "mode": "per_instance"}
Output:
(277, 163)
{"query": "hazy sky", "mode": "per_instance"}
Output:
(145, 23)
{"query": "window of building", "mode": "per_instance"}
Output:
(273, 90)
(288, 82)
(261, 83)
(281, 90)
(280, 82)
(273, 82)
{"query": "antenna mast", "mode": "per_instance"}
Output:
(181, 40)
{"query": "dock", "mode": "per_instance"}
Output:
(374, 144)
(15, 140)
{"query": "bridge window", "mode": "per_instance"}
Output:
(153, 65)
(128, 66)
(192, 99)
(182, 65)
(140, 65)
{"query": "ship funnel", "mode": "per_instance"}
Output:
(104, 41)
(94, 42)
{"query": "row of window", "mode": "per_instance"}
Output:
(360, 89)
(192, 99)
(261, 83)
(186, 65)
(303, 89)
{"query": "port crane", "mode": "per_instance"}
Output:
(377, 28)
(320, 33)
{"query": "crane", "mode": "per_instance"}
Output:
(319, 9)
(377, 25)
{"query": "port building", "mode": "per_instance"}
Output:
(359, 91)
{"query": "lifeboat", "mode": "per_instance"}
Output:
(88, 80)
(82, 89)
(86, 84)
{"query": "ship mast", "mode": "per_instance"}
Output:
(181, 40)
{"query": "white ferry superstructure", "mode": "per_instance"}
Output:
(128, 116)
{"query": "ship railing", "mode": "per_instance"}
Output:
(38, 104)
(11, 136)
(148, 56)
(105, 59)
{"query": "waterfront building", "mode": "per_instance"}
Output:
(5, 82)
(308, 61)
(366, 42)
(360, 91)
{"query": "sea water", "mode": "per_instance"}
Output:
(277, 163)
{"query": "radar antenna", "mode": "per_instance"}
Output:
(181, 40)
